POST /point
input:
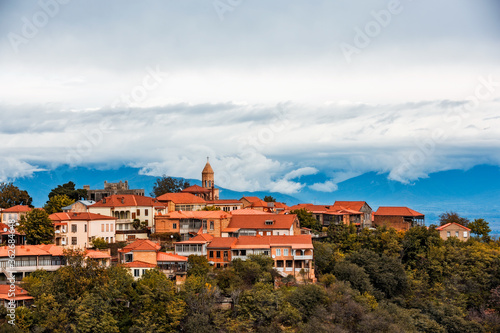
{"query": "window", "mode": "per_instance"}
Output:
(85, 227)
(211, 254)
(269, 222)
(133, 216)
(204, 224)
(107, 227)
(211, 225)
(138, 212)
(174, 225)
(278, 252)
(111, 227)
(465, 234)
(74, 240)
(218, 254)
(456, 233)
(146, 212)
(285, 252)
(448, 234)
(74, 228)
(102, 227)
(143, 271)
(218, 265)
(136, 273)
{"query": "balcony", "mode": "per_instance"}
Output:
(303, 257)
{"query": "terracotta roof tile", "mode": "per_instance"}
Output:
(249, 211)
(181, 198)
(17, 209)
(450, 224)
(397, 211)
(222, 242)
(127, 200)
(353, 205)
(79, 216)
(139, 264)
(141, 245)
(199, 214)
(279, 221)
(196, 189)
(164, 256)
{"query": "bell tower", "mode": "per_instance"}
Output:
(207, 181)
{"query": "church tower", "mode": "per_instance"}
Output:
(207, 181)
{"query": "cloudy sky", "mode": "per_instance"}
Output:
(270, 90)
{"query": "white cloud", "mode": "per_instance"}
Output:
(327, 186)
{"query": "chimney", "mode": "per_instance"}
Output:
(104, 200)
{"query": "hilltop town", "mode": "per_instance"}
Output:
(190, 232)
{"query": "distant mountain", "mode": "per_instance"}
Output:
(474, 193)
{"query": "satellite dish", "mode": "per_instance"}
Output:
(4, 229)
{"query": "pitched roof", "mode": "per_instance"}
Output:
(255, 201)
(164, 256)
(25, 250)
(222, 242)
(17, 209)
(198, 239)
(450, 224)
(141, 245)
(126, 200)
(19, 293)
(397, 211)
(352, 205)
(207, 168)
(83, 202)
(181, 198)
(139, 264)
(311, 207)
(279, 221)
(249, 211)
(93, 254)
(198, 214)
(79, 216)
(196, 189)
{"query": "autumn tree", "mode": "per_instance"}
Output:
(166, 184)
(452, 217)
(69, 190)
(37, 226)
(56, 203)
(11, 195)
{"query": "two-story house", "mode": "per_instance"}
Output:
(399, 218)
(262, 224)
(182, 201)
(77, 230)
(190, 223)
(356, 206)
(126, 208)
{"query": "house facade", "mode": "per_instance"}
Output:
(356, 206)
(399, 218)
(78, 230)
(262, 224)
(454, 230)
(189, 223)
(126, 209)
(14, 213)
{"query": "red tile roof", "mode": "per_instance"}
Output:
(352, 205)
(222, 243)
(93, 254)
(164, 256)
(141, 245)
(139, 264)
(83, 216)
(17, 209)
(312, 208)
(397, 211)
(181, 198)
(20, 293)
(127, 200)
(32, 250)
(450, 224)
(248, 211)
(199, 214)
(196, 189)
(255, 201)
(258, 221)
(198, 239)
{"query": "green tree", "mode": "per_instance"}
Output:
(306, 219)
(56, 203)
(198, 265)
(452, 217)
(99, 243)
(269, 198)
(480, 228)
(69, 190)
(11, 195)
(166, 184)
(37, 226)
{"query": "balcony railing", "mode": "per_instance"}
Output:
(304, 257)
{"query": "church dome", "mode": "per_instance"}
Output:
(207, 168)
